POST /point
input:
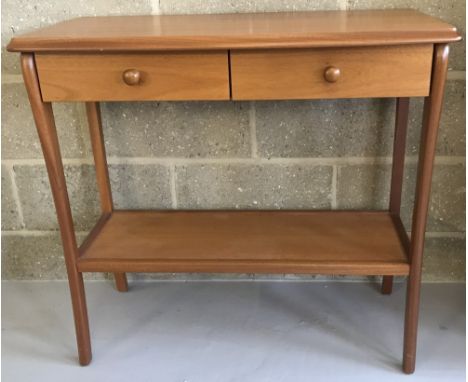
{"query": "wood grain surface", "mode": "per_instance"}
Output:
(391, 71)
(248, 30)
(164, 76)
(338, 242)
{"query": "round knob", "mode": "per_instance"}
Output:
(131, 77)
(332, 74)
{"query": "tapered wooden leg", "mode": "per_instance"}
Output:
(121, 282)
(387, 284)
(102, 173)
(399, 148)
(45, 124)
(398, 165)
(432, 112)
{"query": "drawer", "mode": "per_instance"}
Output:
(392, 71)
(122, 77)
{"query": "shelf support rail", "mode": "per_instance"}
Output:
(102, 173)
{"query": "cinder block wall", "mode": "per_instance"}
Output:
(304, 154)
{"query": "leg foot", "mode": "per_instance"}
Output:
(85, 359)
(387, 284)
(80, 313)
(409, 364)
(121, 282)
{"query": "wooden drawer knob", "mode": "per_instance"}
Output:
(131, 77)
(332, 74)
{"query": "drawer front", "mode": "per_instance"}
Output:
(393, 71)
(122, 77)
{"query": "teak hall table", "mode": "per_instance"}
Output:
(304, 55)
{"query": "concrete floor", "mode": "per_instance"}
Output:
(227, 331)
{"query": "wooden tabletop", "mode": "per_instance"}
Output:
(237, 31)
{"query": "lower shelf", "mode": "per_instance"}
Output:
(314, 242)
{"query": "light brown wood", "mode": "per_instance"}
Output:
(387, 284)
(121, 283)
(332, 74)
(230, 31)
(399, 150)
(45, 124)
(400, 71)
(131, 77)
(248, 56)
(163, 76)
(102, 174)
(94, 232)
(99, 152)
(401, 230)
(232, 241)
(431, 119)
(398, 166)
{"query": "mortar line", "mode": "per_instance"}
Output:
(155, 7)
(15, 194)
(173, 185)
(456, 75)
(40, 161)
(322, 161)
(28, 232)
(11, 79)
(333, 187)
(253, 129)
(455, 235)
(450, 160)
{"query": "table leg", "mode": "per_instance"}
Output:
(387, 284)
(45, 124)
(398, 165)
(102, 173)
(121, 283)
(431, 118)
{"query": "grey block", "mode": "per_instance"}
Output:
(10, 62)
(452, 136)
(20, 16)
(36, 198)
(10, 217)
(19, 135)
(452, 133)
(368, 187)
(354, 127)
(225, 6)
(444, 259)
(177, 129)
(447, 200)
(36, 257)
(452, 12)
(332, 128)
(253, 186)
(140, 186)
(363, 187)
(447, 206)
(32, 257)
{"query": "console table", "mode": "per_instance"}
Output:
(304, 55)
